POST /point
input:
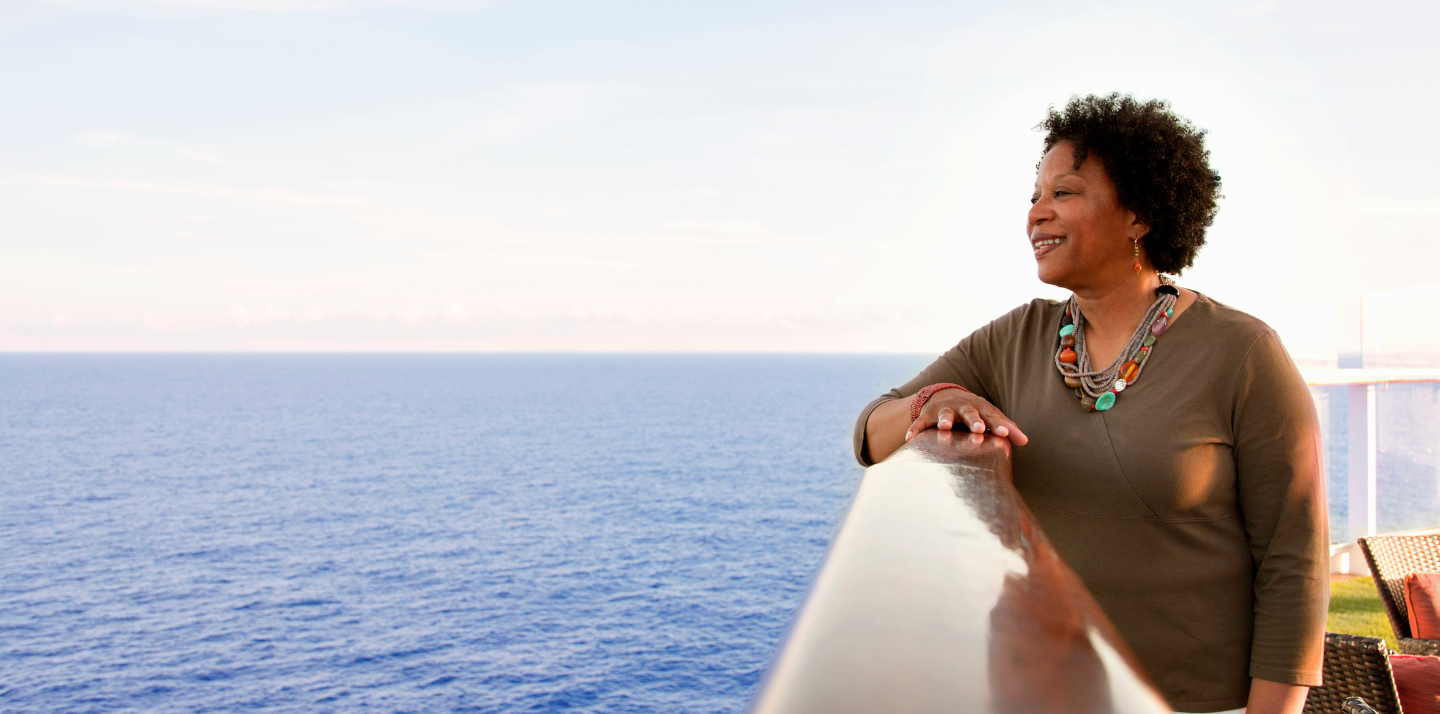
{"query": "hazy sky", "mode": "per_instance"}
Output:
(736, 176)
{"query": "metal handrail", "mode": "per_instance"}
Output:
(941, 593)
(1383, 375)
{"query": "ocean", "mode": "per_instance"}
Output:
(450, 533)
(414, 533)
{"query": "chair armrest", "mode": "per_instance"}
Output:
(1412, 646)
(1355, 666)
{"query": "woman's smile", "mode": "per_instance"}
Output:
(1044, 243)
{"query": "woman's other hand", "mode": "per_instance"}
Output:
(889, 426)
(949, 407)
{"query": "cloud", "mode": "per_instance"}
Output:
(243, 317)
(1394, 206)
(109, 139)
(258, 5)
(272, 195)
(246, 5)
(738, 227)
(537, 111)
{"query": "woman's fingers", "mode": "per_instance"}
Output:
(921, 423)
(972, 418)
(967, 416)
(946, 420)
(1017, 437)
(1001, 425)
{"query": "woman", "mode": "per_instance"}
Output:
(1165, 441)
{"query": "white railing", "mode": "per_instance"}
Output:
(1335, 377)
(1361, 448)
(941, 593)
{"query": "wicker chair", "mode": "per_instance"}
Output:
(1391, 558)
(1354, 667)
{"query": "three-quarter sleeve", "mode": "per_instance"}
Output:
(1281, 488)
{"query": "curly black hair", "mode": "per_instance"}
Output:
(1158, 162)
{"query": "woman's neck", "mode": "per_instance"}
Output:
(1114, 312)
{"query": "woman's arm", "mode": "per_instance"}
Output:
(884, 425)
(1267, 697)
(1281, 489)
(885, 429)
(889, 426)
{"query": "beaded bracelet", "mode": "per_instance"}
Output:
(925, 394)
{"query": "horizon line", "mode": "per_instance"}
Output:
(4, 352)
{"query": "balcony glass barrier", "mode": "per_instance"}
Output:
(1407, 462)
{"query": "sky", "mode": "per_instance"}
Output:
(344, 175)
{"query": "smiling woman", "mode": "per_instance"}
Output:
(1194, 507)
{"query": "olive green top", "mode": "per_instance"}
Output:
(1194, 510)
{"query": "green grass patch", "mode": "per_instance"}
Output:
(1355, 609)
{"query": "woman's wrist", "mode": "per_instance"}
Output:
(923, 396)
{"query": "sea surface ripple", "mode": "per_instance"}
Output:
(414, 533)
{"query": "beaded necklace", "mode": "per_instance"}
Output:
(1097, 389)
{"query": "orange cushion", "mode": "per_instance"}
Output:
(1417, 679)
(1422, 600)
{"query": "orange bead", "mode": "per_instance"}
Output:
(1068, 356)
(1129, 370)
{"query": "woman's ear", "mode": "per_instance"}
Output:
(1138, 228)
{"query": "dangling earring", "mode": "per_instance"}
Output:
(1136, 242)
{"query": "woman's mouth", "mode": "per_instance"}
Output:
(1045, 244)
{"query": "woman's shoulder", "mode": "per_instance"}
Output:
(1233, 341)
(1037, 312)
(1225, 323)
(1029, 320)
(1014, 330)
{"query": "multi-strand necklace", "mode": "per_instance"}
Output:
(1097, 389)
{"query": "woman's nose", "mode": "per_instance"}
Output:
(1039, 213)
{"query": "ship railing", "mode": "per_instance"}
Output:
(940, 592)
(1362, 455)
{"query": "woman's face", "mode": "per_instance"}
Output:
(1080, 233)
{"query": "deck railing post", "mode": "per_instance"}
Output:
(1362, 446)
(1361, 455)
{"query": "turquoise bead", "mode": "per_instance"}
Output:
(1105, 401)
(1067, 330)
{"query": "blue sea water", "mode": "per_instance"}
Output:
(413, 533)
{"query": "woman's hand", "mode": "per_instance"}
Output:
(949, 406)
(889, 426)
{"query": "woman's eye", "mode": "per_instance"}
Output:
(1061, 192)
(1034, 200)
